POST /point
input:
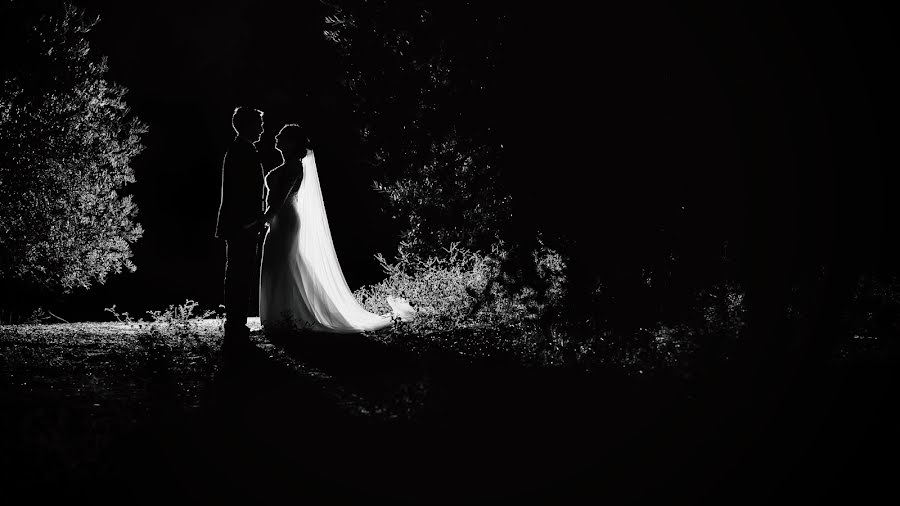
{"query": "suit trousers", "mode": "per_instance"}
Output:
(241, 277)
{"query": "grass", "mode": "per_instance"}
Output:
(112, 411)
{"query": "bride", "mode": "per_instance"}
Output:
(301, 282)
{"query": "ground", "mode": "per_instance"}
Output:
(108, 411)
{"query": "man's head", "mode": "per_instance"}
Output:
(248, 123)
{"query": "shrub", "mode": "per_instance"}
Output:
(462, 289)
(722, 309)
(875, 307)
(177, 320)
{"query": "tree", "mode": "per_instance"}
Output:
(514, 121)
(423, 82)
(66, 143)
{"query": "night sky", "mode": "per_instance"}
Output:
(734, 106)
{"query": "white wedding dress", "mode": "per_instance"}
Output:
(301, 282)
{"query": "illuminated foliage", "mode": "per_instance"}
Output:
(66, 144)
(424, 84)
(454, 197)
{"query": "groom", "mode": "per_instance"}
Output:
(240, 222)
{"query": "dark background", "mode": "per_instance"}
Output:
(772, 127)
(187, 65)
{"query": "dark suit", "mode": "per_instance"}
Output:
(242, 202)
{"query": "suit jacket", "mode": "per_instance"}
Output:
(243, 197)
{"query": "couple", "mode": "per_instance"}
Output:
(301, 285)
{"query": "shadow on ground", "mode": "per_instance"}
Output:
(482, 433)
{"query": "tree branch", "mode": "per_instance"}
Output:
(57, 317)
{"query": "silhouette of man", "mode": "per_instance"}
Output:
(240, 221)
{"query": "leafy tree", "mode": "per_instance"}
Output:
(437, 164)
(490, 121)
(66, 144)
(453, 198)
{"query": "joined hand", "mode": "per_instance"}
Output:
(259, 225)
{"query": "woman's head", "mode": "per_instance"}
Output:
(292, 141)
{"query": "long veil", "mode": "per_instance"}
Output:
(323, 287)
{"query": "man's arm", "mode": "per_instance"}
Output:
(226, 194)
(235, 171)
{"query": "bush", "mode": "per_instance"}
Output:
(462, 289)
(466, 303)
(176, 321)
(875, 307)
(722, 309)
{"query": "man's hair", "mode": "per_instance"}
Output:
(244, 117)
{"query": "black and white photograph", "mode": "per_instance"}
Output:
(423, 252)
